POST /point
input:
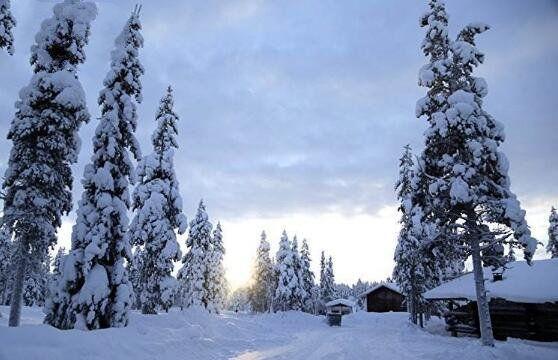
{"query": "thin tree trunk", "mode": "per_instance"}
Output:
(485, 324)
(17, 293)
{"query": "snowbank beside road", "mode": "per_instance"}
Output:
(194, 334)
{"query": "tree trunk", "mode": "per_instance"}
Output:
(485, 324)
(17, 293)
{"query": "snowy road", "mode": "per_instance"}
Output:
(196, 335)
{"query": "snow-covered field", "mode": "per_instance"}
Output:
(196, 335)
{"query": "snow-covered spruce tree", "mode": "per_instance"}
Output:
(408, 272)
(261, 292)
(306, 277)
(470, 192)
(158, 207)
(300, 294)
(287, 282)
(215, 277)
(134, 268)
(193, 274)
(6, 248)
(96, 292)
(438, 262)
(35, 286)
(44, 134)
(552, 246)
(7, 23)
(328, 291)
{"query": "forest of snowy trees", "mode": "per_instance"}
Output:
(455, 202)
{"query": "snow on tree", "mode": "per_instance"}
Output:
(463, 186)
(261, 291)
(239, 300)
(58, 262)
(158, 207)
(287, 282)
(552, 246)
(6, 249)
(35, 286)
(45, 142)
(306, 277)
(327, 280)
(359, 288)
(409, 272)
(216, 281)
(96, 292)
(7, 23)
(300, 295)
(134, 271)
(193, 274)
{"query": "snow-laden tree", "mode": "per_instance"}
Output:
(359, 288)
(239, 300)
(7, 23)
(6, 248)
(300, 294)
(95, 291)
(285, 297)
(215, 278)
(552, 246)
(193, 274)
(438, 262)
(306, 277)
(35, 286)
(134, 272)
(58, 262)
(463, 185)
(328, 292)
(261, 291)
(158, 207)
(45, 142)
(409, 272)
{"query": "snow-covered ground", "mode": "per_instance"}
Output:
(197, 335)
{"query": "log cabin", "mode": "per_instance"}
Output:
(523, 301)
(383, 298)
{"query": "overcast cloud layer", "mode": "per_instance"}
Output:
(302, 107)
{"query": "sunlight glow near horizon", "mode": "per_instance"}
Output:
(361, 245)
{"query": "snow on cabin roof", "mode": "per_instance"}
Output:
(521, 283)
(340, 302)
(391, 286)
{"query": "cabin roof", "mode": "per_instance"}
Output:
(391, 286)
(521, 283)
(345, 302)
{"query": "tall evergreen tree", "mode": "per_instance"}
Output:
(134, 271)
(97, 293)
(463, 185)
(44, 134)
(7, 23)
(158, 207)
(287, 281)
(193, 275)
(307, 277)
(552, 246)
(328, 292)
(6, 249)
(215, 278)
(261, 292)
(408, 272)
(299, 295)
(35, 286)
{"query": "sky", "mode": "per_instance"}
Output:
(294, 113)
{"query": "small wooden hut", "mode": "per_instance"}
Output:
(384, 298)
(523, 301)
(340, 306)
